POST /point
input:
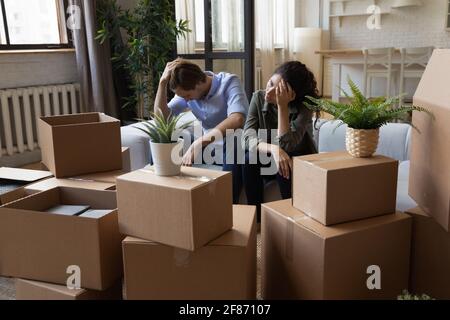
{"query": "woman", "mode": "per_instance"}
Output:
(280, 110)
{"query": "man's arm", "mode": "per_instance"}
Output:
(161, 95)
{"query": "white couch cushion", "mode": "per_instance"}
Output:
(394, 139)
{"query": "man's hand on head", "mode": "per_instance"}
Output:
(170, 66)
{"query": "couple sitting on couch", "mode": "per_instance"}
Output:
(220, 103)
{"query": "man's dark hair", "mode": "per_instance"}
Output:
(186, 75)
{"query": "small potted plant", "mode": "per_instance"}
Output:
(364, 117)
(165, 151)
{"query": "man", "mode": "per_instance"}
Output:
(218, 101)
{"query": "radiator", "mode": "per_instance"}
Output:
(21, 107)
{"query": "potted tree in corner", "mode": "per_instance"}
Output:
(165, 147)
(364, 118)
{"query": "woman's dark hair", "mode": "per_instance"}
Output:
(302, 81)
(186, 75)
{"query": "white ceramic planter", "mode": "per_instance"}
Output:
(167, 157)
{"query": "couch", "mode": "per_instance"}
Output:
(394, 142)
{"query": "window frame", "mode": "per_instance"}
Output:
(49, 46)
(209, 54)
(447, 21)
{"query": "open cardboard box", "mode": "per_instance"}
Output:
(13, 180)
(429, 181)
(78, 144)
(38, 245)
(223, 269)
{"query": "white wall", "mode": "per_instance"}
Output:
(405, 27)
(34, 69)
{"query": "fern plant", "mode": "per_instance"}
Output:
(162, 129)
(362, 112)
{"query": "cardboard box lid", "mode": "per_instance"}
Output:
(189, 179)
(285, 209)
(26, 175)
(434, 84)
(238, 236)
(342, 160)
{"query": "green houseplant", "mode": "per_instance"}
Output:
(165, 149)
(151, 33)
(363, 116)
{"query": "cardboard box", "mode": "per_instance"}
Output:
(38, 245)
(334, 187)
(429, 180)
(80, 143)
(223, 269)
(303, 259)
(430, 257)
(34, 290)
(12, 181)
(185, 211)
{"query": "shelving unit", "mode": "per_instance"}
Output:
(343, 14)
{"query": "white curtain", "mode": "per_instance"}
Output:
(275, 23)
(184, 9)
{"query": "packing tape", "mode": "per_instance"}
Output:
(182, 176)
(328, 159)
(289, 239)
(181, 257)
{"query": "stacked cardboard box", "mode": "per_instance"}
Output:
(186, 240)
(339, 238)
(429, 182)
(66, 228)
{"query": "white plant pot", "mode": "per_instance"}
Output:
(167, 157)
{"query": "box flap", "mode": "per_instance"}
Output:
(52, 287)
(342, 160)
(72, 119)
(433, 87)
(75, 183)
(26, 175)
(418, 212)
(285, 208)
(190, 178)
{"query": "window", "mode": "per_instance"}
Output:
(37, 24)
(222, 37)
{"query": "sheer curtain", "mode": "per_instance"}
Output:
(185, 10)
(275, 22)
